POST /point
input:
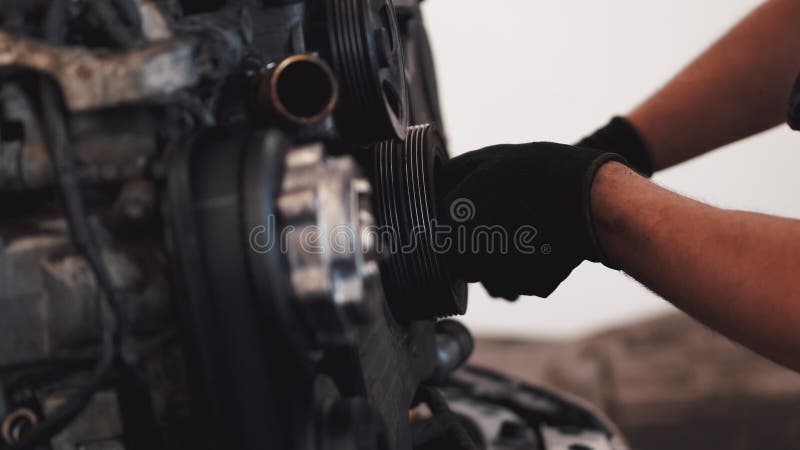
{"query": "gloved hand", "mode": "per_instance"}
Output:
(535, 198)
(620, 136)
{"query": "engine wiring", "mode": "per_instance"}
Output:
(115, 332)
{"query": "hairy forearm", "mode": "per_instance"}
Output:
(736, 88)
(735, 271)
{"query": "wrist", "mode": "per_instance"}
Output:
(611, 192)
(596, 252)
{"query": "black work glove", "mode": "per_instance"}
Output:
(536, 197)
(620, 136)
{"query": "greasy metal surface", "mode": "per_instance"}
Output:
(91, 81)
(109, 145)
(325, 206)
(48, 297)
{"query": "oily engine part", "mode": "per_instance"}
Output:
(267, 298)
(326, 215)
(165, 302)
(301, 89)
(361, 40)
(286, 228)
(416, 272)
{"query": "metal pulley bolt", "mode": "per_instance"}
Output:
(324, 206)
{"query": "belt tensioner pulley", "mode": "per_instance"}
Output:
(416, 272)
(361, 40)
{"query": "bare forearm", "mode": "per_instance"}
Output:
(733, 270)
(736, 88)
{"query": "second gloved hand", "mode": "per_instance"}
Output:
(520, 215)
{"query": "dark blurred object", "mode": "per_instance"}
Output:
(669, 383)
(793, 113)
(454, 346)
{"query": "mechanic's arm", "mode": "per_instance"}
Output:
(738, 272)
(560, 205)
(736, 88)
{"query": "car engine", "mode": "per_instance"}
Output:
(214, 233)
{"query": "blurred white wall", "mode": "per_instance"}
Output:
(524, 70)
